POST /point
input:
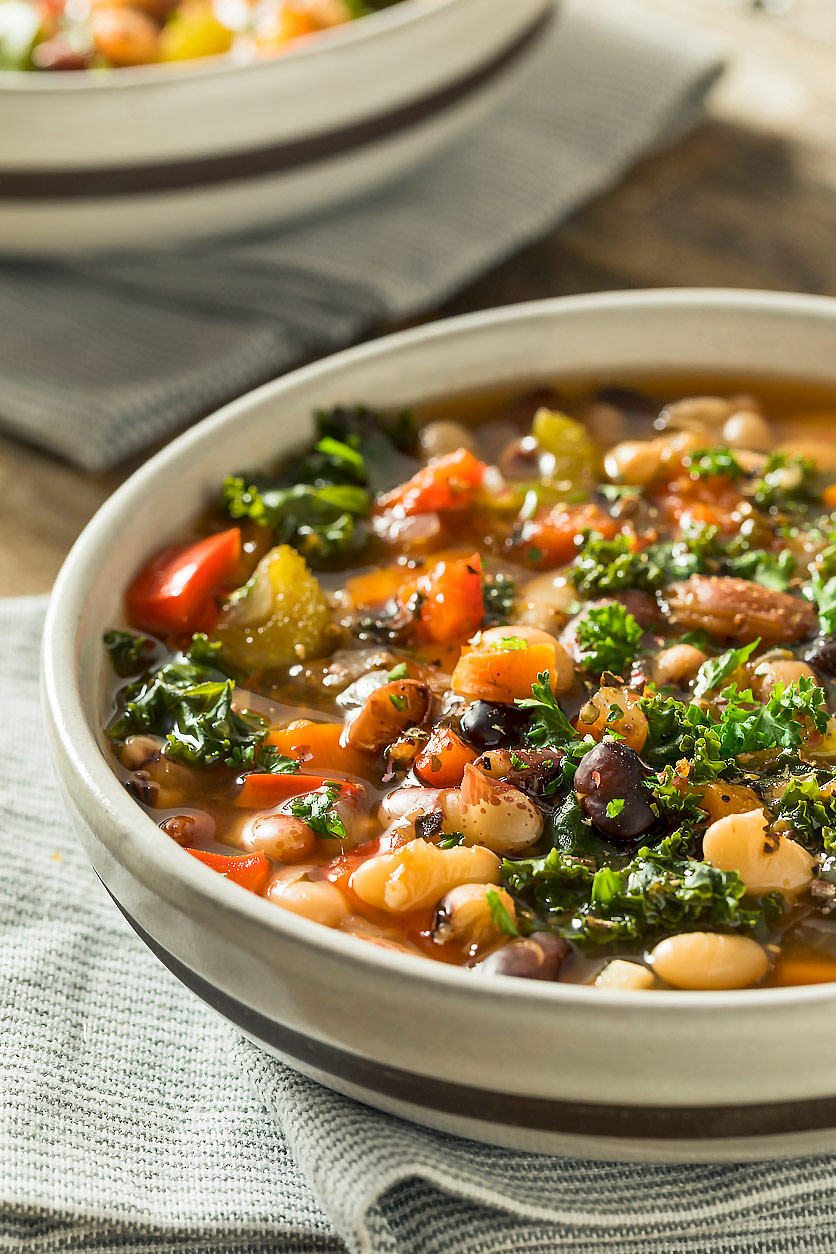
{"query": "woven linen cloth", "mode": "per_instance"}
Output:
(102, 357)
(134, 1120)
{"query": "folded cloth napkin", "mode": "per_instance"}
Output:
(134, 1120)
(105, 356)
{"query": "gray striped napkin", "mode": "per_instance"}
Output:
(134, 1121)
(101, 358)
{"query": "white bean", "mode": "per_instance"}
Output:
(709, 960)
(636, 462)
(496, 814)
(747, 429)
(319, 900)
(465, 915)
(621, 974)
(444, 436)
(419, 874)
(678, 664)
(766, 864)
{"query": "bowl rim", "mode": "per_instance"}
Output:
(373, 26)
(139, 833)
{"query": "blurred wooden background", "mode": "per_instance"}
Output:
(748, 199)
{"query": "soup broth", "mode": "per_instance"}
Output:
(535, 684)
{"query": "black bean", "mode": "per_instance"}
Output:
(822, 654)
(493, 724)
(536, 957)
(612, 773)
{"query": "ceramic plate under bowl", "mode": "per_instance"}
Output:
(158, 153)
(550, 1067)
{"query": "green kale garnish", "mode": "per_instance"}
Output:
(189, 701)
(653, 895)
(607, 639)
(810, 813)
(318, 521)
(498, 596)
(129, 652)
(318, 810)
(708, 463)
(712, 673)
(611, 566)
(787, 483)
(771, 570)
(318, 503)
(822, 591)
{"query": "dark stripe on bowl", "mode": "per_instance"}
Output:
(511, 1110)
(108, 181)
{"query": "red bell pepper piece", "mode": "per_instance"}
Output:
(250, 870)
(174, 592)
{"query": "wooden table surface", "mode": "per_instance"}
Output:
(748, 199)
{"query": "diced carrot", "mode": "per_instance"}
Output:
(551, 540)
(258, 791)
(250, 870)
(452, 606)
(502, 675)
(317, 746)
(829, 496)
(710, 502)
(442, 761)
(448, 482)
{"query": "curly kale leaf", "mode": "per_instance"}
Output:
(129, 652)
(711, 675)
(318, 503)
(810, 813)
(607, 639)
(788, 483)
(611, 566)
(655, 894)
(710, 463)
(189, 701)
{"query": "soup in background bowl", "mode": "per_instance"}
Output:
(589, 596)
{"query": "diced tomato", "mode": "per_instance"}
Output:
(550, 541)
(250, 870)
(449, 482)
(442, 761)
(174, 592)
(258, 791)
(452, 606)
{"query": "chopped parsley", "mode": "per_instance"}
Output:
(401, 671)
(508, 644)
(500, 916)
(615, 807)
(318, 810)
(822, 591)
(549, 726)
(607, 639)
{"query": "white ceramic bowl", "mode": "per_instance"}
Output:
(178, 152)
(551, 1067)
